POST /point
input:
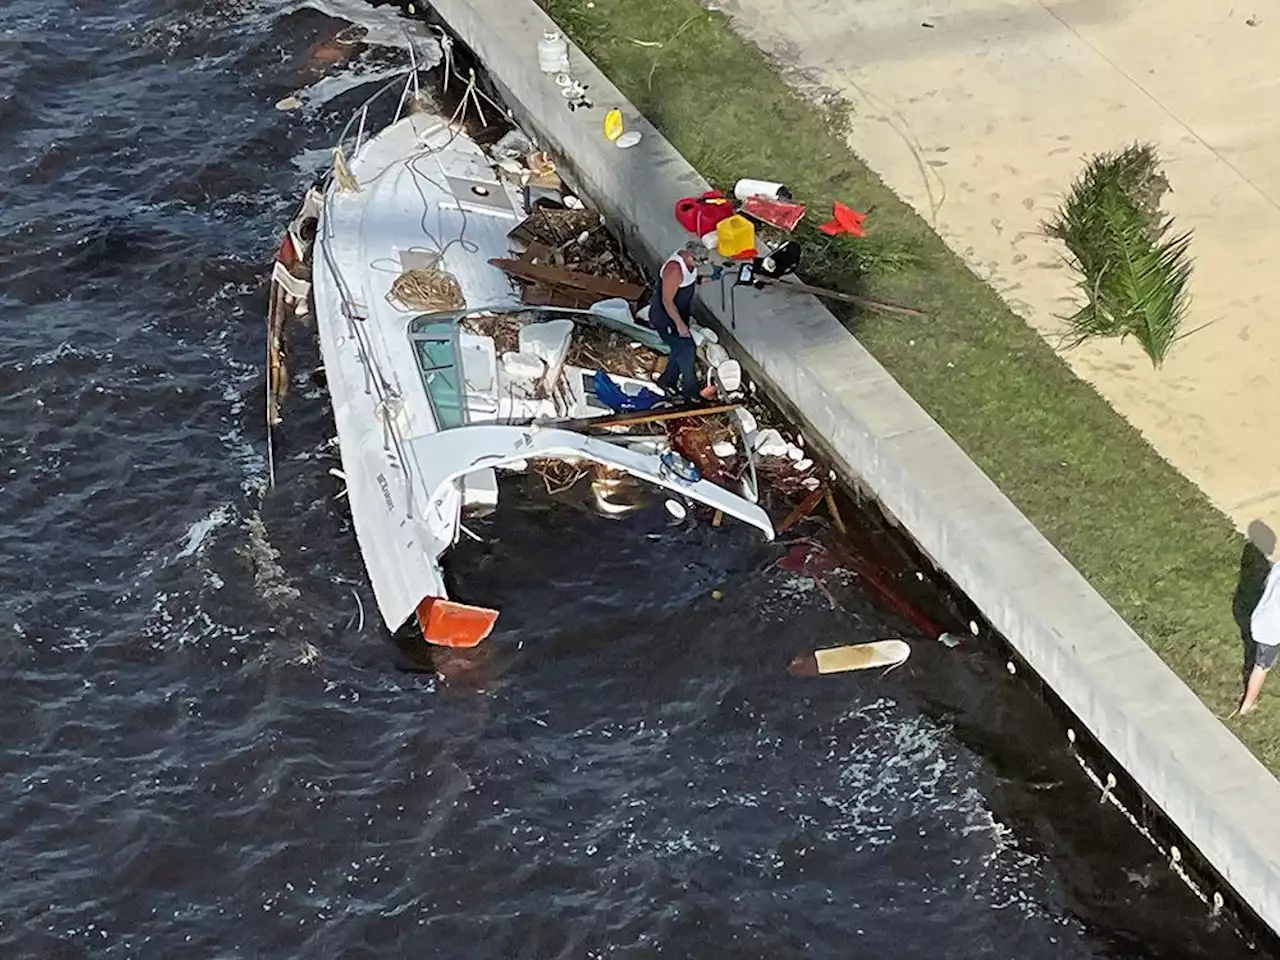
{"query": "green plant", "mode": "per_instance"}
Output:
(1133, 268)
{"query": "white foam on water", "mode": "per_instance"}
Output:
(178, 619)
(66, 350)
(200, 530)
(383, 26)
(357, 75)
(312, 162)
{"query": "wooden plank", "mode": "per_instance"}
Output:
(877, 305)
(802, 510)
(639, 417)
(549, 276)
(645, 416)
(835, 513)
(536, 295)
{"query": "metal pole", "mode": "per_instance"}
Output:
(364, 113)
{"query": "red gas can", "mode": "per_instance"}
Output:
(700, 215)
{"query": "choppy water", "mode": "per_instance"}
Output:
(206, 755)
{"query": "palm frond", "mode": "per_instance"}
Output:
(1132, 269)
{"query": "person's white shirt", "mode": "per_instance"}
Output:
(1264, 624)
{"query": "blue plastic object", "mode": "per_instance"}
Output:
(678, 467)
(611, 395)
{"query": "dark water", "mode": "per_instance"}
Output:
(206, 755)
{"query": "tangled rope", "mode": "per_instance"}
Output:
(428, 288)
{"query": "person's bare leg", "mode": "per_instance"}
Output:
(1252, 689)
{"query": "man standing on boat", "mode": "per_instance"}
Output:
(669, 312)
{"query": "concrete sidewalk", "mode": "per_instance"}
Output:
(980, 114)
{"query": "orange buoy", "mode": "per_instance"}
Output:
(449, 624)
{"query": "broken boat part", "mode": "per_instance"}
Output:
(505, 373)
(858, 656)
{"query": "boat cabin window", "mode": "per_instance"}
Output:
(436, 349)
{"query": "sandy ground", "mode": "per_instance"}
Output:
(981, 114)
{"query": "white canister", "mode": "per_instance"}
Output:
(744, 189)
(553, 53)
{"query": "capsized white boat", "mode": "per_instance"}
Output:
(437, 373)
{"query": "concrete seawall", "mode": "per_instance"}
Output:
(1186, 762)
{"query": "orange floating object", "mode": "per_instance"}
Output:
(844, 220)
(449, 624)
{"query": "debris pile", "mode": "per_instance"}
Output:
(617, 353)
(570, 259)
(575, 272)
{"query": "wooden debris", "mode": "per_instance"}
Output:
(536, 295)
(555, 277)
(691, 441)
(877, 305)
(643, 416)
(834, 510)
(802, 510)
(553, 227)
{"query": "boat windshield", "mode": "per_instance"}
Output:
(436, 349)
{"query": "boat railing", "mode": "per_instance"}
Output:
(376, 383)
(359, 120)
(347, 149)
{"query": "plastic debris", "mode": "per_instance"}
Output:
(613, 127)
(747, 188)
(553, 52)
(512, 167)
(514, 145)
(844, 220)
(614, 307)
(701, 334)
(714, 354)
(723, 448)
(769, 443)
(728, 376)
(676, 509)
(289, 103)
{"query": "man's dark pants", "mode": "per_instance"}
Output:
(680, 370)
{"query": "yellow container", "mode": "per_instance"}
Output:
(734, 235)
(613, 124)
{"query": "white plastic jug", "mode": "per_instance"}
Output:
(553, 53)
(745, 189)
